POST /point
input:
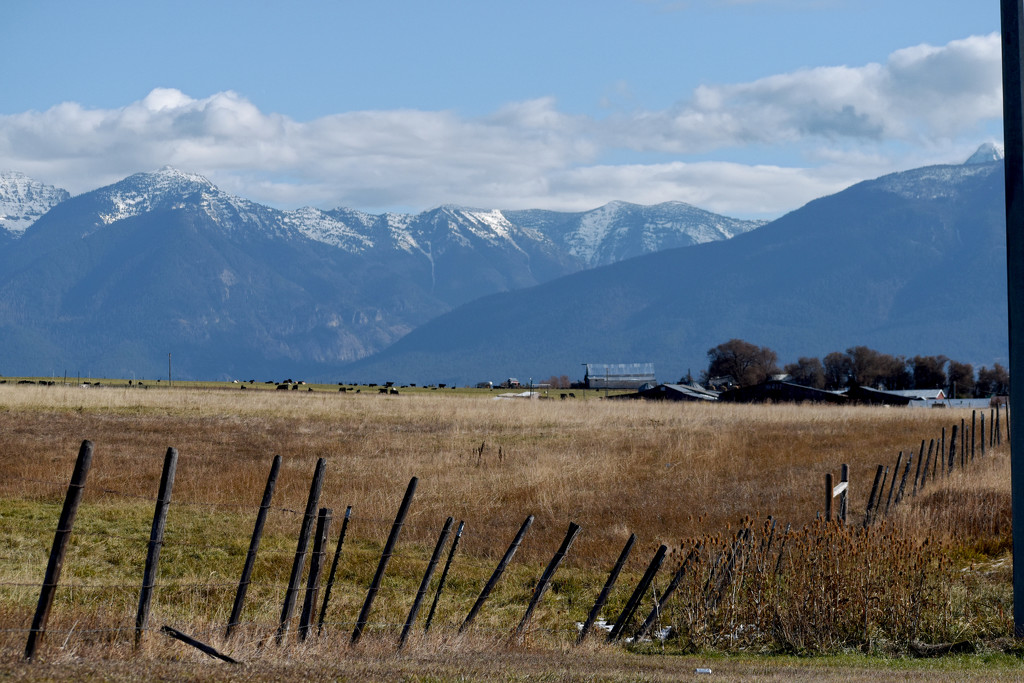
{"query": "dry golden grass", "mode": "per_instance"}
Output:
(668, 472)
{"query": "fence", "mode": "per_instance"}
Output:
(961, 451)
(723, 560)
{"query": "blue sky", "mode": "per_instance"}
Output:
(744, 107)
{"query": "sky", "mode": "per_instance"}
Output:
(749, 108)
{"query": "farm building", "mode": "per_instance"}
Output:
(780, 392)
(895, 398)
(672, 392)
(619, 375)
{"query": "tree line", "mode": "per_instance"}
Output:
(749, 364)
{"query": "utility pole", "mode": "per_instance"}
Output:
(1011, 15)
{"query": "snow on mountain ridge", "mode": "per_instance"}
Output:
(23, 200)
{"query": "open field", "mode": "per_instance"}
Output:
(669, 473)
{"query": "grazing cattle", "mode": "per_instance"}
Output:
(282, 387)
(382, 390)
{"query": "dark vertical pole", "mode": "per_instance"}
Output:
(385, 557)
(844, 478)
(974, 424)
(1012, 15)
(444, 575)
(288, 608)
(952, 449)
(828, 497)
(903, 479)
(156, 541)
(545, 578)
(999, 430)
(982, 435)
(874, 494)
(963, 443)
(892, 484)
(498, 571)
(316, 562)
(72, 499)
(334, 570)
(638, 594)
(928, 463)
(425, 583)
(917, 472)
(608, 585)
(254, 546)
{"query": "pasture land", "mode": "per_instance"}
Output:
(935, 570)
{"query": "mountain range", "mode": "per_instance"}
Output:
(108, 282)
(909, 263)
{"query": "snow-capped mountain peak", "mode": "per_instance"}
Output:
(986, 153)
(23, 200)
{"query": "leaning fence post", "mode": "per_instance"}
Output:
(545, 579)
(603, 595)
(316, 563)
(917, 472)
(444, 575)
(892, 483)
(903, 479)
(974, 424)
(156, 541)
(844, 478)
(254, 546)
(638, 593)
(871, 498)
(659, 606)
(425, 583)
(498, 571)
(288, 608)
(72, 499)
(385, 557)
(334, 569)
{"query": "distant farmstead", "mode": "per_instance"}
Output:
(619, 375)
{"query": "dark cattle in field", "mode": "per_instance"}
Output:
(282, 387)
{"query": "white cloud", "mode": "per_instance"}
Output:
(842, 123)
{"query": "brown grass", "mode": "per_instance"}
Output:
(666, 472)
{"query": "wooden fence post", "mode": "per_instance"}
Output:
(659, 607)
(156, 541)
(334, 569)
(828, 496)
(254, 546)
(941, 455)
(638, 594)
(288, 608)
(982, 440)
(963, 443)
(603, 595)
(917, 472)
(316, 562)
(498, 571)
(444, 575)
(844, 496)
(65, 522)
(892, 483)
(385, 557)
(999, 431)
(903, 479)
(545, 579)
(874, 494)
(425, 583)
(974, 424)
(952, 451)
(1006, 409)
